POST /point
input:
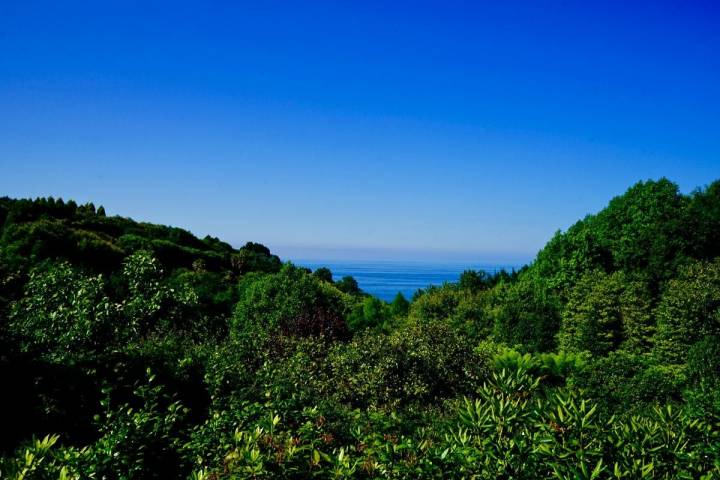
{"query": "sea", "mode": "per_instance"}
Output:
(384, 279)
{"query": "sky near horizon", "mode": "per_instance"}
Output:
(375, 130)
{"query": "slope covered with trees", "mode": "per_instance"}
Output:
(132, 350)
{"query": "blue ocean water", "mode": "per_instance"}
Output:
(385, 279)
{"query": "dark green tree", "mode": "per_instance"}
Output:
(370, 313)
(399, 306)
(527, 313)
(348, 285)
(704, 222)
(254, 257)
(474, 280)
(324, 274)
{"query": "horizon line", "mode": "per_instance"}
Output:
(411, 254)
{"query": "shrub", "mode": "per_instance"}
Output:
(254, 257)
(290, 302)
(399, 306)
(526, 313)
(688, 311)
(624, 382)
(43, 459)
(436, 303)
(418, 362)
(467, 310)
(349, 285)
(704, 360)
(140, 442)
(604, 312)
(552, 368)
(370, 313)
(63, 311)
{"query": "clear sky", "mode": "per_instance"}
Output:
(389, 129)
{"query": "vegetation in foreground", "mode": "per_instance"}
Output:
(132, 350)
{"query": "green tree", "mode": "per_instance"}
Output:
(151, 304)
(643, 232)
(324, 274)
(704, 360)
(399, 306)
(704, 222)
(417, 361)
(370, 313)
(466, 310)
(604, 311)
(474, 280)
(689, 310)
(291, 302)
(645, 229)
(526, 313)
(63, 310)
(435, 303)
(348, 285)
(254, 257)
(638, 321)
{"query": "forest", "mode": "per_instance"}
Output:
(132, 350)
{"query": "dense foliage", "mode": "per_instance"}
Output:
(132, 350)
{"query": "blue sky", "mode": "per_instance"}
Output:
(464, 130)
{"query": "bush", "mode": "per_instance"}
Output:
(688, 311)
(623, 382)
(291, 302)
(63, 311)
(605, 312)
(526, 313)
(704, 360)
(399, 306)
(418, 362)
(371, 313)
(140, 442)
(465, 309)
(509, 429)
(254, 257)
(553, 369)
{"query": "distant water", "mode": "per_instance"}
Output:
(385, 279)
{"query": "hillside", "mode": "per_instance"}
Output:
(134, 350)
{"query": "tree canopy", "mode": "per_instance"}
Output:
(134, 350)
